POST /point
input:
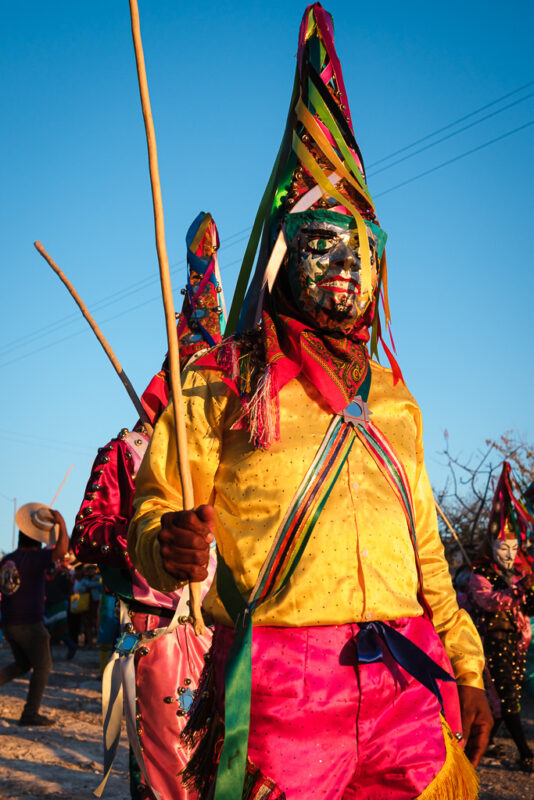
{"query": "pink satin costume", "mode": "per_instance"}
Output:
(167, 669)
(375, 726)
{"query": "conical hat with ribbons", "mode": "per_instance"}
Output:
(319, 166)
(510, 516)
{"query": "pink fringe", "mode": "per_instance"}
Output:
(261, 414)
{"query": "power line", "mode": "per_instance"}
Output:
(456, 158)
(450, 125)
(144, 283)
(18, 442)
(85, 330)
(237, 237)
(450, 135)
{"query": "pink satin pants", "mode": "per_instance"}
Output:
(171, 666)
(324, 726)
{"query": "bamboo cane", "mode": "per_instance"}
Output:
(168, 303)
(455, 535)
(60, 487)
(53, 537)
(98, 333)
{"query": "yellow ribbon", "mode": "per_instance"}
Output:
(324, 113)
(366, 287)
(311, 125)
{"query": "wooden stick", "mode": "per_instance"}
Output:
(168, 303)
(98, 333)
(61, 485)
(455, 535)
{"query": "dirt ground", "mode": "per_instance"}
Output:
(64, 761)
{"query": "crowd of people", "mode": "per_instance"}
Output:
(333, 639)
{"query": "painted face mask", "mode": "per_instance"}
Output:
(324, 270)
(504, 553)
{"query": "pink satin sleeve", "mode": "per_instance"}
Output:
(488, 598)
(100, 533)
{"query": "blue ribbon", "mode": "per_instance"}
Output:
(373, 635)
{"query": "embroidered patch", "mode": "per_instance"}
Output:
(9, 578)
(127, 643)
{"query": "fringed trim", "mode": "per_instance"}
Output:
(203, 705)
(258, 786)
(242, 358)
(261, 414)
(203, 732)
(199, 774)
(457, 779)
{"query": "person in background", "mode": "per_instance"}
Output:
(58, 588)
(502, 588)
(22, 586)
(167, 658)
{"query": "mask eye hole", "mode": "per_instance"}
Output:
(319, 245)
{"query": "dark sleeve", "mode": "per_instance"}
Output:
(100, 533)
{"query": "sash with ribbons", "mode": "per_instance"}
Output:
(288, 546)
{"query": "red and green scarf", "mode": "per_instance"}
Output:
(258, 364)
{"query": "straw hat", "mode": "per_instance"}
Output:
(36, 521)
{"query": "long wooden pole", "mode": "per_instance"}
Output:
(60, 487)
(455, 535)
(168, 303)
(98, 333)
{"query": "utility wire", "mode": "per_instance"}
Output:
(456, 158)
(450, 125)
(43, 440)
(85, 330)
(450, 135)
(6, 497)
(144, 283)
(237, 237)
(18, 442)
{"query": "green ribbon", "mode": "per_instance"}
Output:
(238, 680)
(233, 762)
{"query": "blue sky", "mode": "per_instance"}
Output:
(75, 177)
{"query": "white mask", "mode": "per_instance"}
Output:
(504, 553)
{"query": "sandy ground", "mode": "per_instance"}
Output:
(65, 761)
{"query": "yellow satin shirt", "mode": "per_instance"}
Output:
(359, 563)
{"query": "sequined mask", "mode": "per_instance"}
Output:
(323, 268)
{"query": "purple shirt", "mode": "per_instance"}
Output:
(26, 604)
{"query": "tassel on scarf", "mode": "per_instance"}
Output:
(261, 413)
(457, 779)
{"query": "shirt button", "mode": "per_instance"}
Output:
(364, 553)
